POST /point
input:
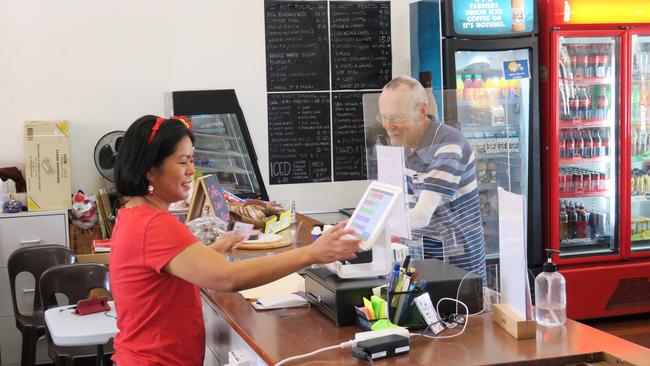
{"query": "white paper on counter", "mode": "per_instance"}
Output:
(513, 275)
(288, 284)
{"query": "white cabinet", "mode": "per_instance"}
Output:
(221, 338)
(17, 231)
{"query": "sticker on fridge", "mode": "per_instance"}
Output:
(516, 69)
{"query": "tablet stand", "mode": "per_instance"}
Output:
(380, 266)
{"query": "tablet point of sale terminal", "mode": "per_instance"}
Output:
(369, 222)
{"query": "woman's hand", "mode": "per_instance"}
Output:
(226, 243)
(332, 246)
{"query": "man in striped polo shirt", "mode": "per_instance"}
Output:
(443, 195)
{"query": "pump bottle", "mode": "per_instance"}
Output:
(550, 295)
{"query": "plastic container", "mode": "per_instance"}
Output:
(550, 295)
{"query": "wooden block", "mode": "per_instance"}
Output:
(507, 319)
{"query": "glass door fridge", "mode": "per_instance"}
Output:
(586, 117)
(639, 149)
(495, 107)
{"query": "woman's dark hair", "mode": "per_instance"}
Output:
(136, 156)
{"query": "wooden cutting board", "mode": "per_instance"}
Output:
(283, 241)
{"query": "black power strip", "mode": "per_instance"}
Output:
(381, 347)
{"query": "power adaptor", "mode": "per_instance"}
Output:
(381, 347)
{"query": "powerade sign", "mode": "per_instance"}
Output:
(493, 17)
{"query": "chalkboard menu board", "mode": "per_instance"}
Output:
(296, 46)
(361, 49)
(299, 138)
(349, 138)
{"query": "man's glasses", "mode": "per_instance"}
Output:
(393, 119)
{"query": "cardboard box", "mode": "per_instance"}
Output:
(47, 160)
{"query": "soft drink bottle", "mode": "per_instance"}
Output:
(563, 103)
(588, 106)
(570, 146)
(634, 141)
(602, 103)
(581, 225)
(579, 144)
(643, 140)
(572, 218)
(583, 60)
(636, 98)
(588, 144)
(591, 60)
(597, 144)
(643, 109)
(573, 58)
(564, 223)
(479, 90)
(467, 87)
(604, 58)
(604, 150)
(579, 70)
(574, 106)
(459, 87)
(562, 145)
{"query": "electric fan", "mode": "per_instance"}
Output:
(106, 153)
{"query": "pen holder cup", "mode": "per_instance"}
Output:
(402, 302)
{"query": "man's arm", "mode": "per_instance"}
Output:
(420, 215)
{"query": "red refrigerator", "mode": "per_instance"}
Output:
(595, 94)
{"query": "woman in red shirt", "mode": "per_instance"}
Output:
(157, 266)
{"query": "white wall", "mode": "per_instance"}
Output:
(102, 64)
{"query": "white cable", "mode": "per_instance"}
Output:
(458, 295)
(348, 344)
(464, 324)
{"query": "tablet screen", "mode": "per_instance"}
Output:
(370, 212)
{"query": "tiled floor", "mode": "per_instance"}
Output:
(634, 328)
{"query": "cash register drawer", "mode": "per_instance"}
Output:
(335, 297)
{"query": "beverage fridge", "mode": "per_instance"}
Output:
(486, 66)
(595, 122)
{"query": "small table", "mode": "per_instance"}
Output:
(70, 329)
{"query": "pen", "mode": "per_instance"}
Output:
(407, 301)
(400, 305)
(414, 276)
(407, 260)
(397, 287)
(393, 277)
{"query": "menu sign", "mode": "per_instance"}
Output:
(361, 48)
(299, 138)
(349, 137)
(296, 46)
(493, 17)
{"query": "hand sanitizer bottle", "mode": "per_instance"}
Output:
(550, 295)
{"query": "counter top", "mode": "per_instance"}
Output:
(277, 334)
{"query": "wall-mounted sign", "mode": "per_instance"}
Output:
(493, 17)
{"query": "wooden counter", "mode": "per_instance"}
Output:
(270, 336)
(278, 334)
